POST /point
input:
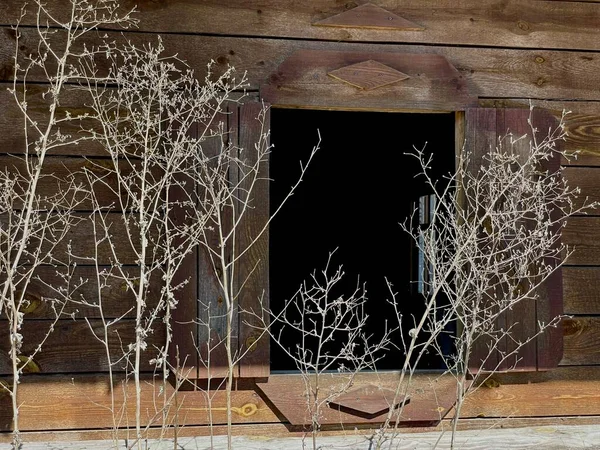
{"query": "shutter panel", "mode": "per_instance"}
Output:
(484, 127)
(211, 306)
(255, 262)
(202, 299)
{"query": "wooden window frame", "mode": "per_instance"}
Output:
(305, 80)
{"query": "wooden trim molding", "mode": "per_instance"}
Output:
(428, 398)
(377, 81)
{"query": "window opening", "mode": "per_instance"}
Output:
(360, 186)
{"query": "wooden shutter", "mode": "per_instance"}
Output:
(255, 262)
(483, 129)
(199, 319)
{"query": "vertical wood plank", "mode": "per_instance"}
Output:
(182, 353)
(212, 309)
(480, 138)
(545, 352)
(521, 317)
(255, 262)
(550, 301)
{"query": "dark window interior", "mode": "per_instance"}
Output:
(360, 186)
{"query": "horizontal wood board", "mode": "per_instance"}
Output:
(487, 72)
(116, 300)
(511, 23)
(72, 348)
(83, 401)
(79, 402)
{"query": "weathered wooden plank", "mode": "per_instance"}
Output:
(367, 81)
(253, 268)
(59, 172)
(73, 101)
(582, 124)
(545, 399)
(582, 236)
(513, 23)
(79, 402)
(587, 179)
(431, 398)
(210, 306)
(12, 139)
(581, 340)
(83, 241)
(182, 351)
(581, 288)
(548, 438)
(488, 72)
(117, 300)
(71, 346)
(369, 16)
(83, 401)
(521, 318)
(480, 137)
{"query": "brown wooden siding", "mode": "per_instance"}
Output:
(506, 52)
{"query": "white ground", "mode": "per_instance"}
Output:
(540, 438)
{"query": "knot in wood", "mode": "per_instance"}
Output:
(247, 410)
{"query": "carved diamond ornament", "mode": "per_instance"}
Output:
(368, 75)
(368, 401)
(369, 16)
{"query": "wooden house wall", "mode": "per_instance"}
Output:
(507, 51)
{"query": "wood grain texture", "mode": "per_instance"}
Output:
(545, 399)
(431, 398)
(581, 287)
(481, 137)
(549, 303)
(253, 268)
(511, 23)
(392, 82)
(369, 16)
(211, 307)
(80, 236)
(83, 401)
(563, 396)
(587, 179)
(59, 172)
(582, 235)
(582, 125)
(72, 348)
(12, 138)
(523, 316)
(581, 341)
(117, 299)
(484, 128)
(182, 352)
(488, 72)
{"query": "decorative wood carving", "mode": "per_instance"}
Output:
(368, 75)
(431, 398)
(371, 17)
(368, 401)
(312, 79)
